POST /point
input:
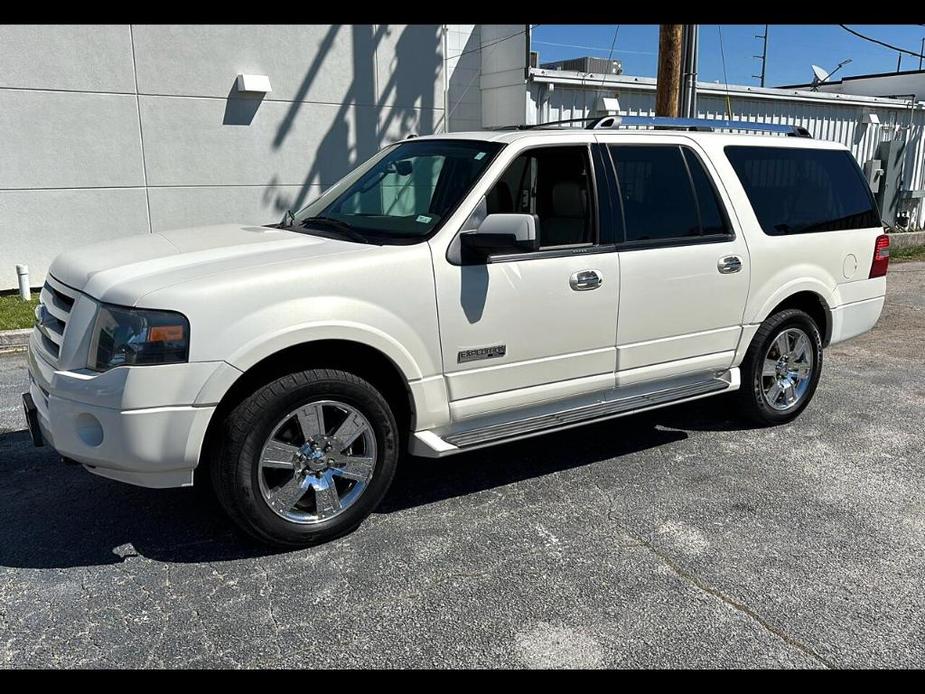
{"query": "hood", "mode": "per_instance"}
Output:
(124, 270)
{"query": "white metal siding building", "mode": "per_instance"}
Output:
(844, 118)
(512, 94)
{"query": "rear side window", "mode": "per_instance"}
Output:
(712, 219)
(666, 194)
(796, 191)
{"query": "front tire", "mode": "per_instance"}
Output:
(781, 368)
(306, 458)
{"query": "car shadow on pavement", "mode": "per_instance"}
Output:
(54, 515)
(421, 481)
(717, 413)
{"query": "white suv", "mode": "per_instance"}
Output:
(454, 292)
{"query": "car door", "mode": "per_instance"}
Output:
(537, 326)
(684, 271)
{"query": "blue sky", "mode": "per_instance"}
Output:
(791, 49)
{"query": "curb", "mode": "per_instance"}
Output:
(907, 239)
(14, 340)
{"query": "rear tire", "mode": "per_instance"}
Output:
(781, 368)
(305, 458)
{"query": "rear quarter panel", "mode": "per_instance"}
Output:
(832, 264)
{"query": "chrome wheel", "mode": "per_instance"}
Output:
(317, 461)
(787, 369)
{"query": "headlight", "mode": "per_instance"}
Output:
(128, 337)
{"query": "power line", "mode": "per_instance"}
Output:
(881, 43)
(609, 55)
(600, 49)
(722, 55)
(493, 43)
(478, 73)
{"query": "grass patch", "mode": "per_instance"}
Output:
(16, 313)
(901, 255)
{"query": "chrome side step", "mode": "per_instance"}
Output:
(586, 414)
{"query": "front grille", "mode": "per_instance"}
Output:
(49, 346)
(60, 298)
(51, 317)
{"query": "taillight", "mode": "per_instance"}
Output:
(881, 256)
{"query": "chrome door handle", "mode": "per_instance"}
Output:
(584, 280)
(729, 264)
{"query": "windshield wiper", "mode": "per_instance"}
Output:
(341, 226)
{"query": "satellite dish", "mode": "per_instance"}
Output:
(820, 75)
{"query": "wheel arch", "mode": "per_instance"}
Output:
(813, 304)
(807, 298)
(361, 359)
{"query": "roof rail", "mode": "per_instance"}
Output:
(708, 124)
(546, 124)
(703, 124)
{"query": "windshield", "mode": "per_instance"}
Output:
(404, 192)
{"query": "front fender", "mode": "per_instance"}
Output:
(266, 345)
(411, 348)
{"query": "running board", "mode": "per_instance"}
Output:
(580, 415)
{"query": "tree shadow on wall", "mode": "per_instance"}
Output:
(366, 120)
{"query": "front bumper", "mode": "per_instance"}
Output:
(142, 425)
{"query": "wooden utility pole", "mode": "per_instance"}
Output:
(668, 84)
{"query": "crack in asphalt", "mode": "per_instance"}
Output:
(694, 580)
(697, 582)
(270, 611)
(165, 618)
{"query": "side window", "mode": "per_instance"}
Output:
(712, 218)
(797, 190)
(553, 183)
(655, 190)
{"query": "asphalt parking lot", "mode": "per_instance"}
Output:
(678, 538)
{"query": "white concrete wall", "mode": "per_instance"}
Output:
(113, 130)
(503, 83)
(463, 72)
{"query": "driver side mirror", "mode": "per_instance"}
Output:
(499, 233)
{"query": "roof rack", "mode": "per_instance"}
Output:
(659, 122)
(707, 124)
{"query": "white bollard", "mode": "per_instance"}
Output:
(22, 271)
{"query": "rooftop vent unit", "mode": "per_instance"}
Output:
(587, 64)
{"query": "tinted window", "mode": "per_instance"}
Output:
(712, 219)
(655, 189)
(802, 190)
(553, 183)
